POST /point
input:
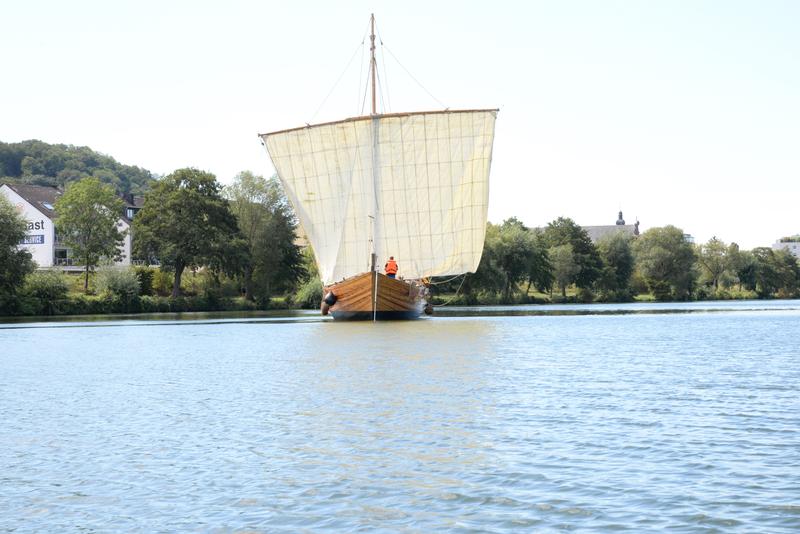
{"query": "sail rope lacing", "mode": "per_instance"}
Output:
(456, 294)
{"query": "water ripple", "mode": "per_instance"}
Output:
(609, 422)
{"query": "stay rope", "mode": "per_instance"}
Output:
(413, 78)
(457, 291)
(445, 281)
(355, 52)
(325, 100)
(383, 88)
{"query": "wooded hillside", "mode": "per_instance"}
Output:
(39, 163)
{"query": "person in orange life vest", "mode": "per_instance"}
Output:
(390, 267)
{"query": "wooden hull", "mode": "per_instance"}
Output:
(355, 298)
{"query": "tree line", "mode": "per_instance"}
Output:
(241, 241)
(661, 263)
(240, 238)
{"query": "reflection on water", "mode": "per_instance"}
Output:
(398, 396)
(291, 316)
(491, 423)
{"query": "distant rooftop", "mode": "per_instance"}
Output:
(598, 232)
(42, 197)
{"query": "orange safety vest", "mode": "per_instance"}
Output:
(391, 267)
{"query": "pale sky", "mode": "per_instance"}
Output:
(676, 112)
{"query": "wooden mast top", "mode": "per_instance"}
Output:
(372, 64)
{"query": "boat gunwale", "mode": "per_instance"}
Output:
(379, 116)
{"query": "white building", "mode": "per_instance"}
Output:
(36, 204)
(792, 244)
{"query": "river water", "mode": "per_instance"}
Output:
(628, 417)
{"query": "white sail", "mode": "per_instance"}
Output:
(414, 186)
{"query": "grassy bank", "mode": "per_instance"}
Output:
(115, 291)
(574, 296)
(79, 304)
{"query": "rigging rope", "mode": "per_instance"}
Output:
(360, 46)
(456, 294)
(380, 89)
(445, 281)
(360, 75)
(364, 100)
(388, 106)
(413, 78)
(382, 82)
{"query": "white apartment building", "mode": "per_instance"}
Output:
(36, 204)
(792, 244)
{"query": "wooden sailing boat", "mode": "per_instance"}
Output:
(410, 185)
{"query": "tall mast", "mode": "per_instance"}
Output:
(373, 256)
(372, 63)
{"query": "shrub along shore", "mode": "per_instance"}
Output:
(114, 290)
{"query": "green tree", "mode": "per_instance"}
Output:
(511, 255)
(714, 260)
(40, 163)
(743, 266)
(32, 166)
(789, 270)
(617, 256)
(775, 271)
(309, 290)
(540, 269)
(564, 231)
(185, 222)
(15, 262)
(269, 229)
(487, 277)
(513, 248)
(766, 275)
(666, 260)
(88, 212)
(44, 290)
(120, 282)
(790, 274)
(247, 195)
(565, 266)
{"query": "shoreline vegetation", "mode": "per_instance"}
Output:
(109, 304)
(236, 248)
(132, 290)
(52, 293)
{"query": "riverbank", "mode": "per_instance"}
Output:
(574, 296)
(76, 304)
(109, 304)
